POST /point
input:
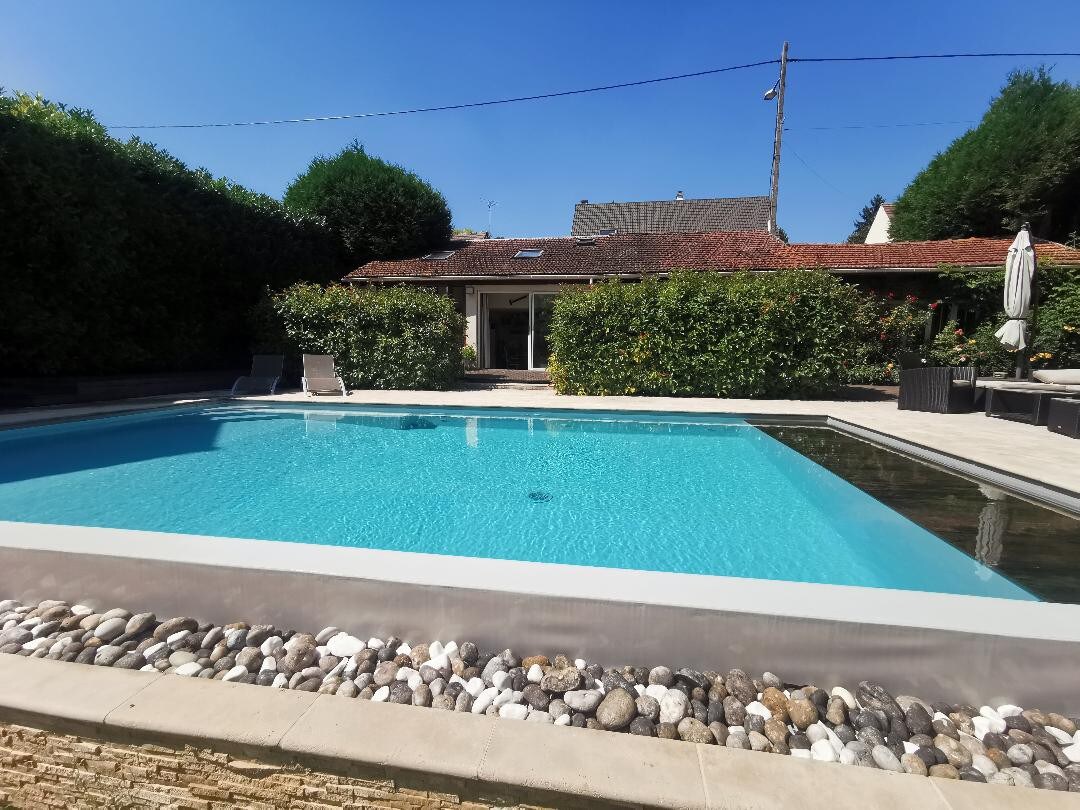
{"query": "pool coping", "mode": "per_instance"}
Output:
(313, 730)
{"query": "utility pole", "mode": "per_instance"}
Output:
(774, 189)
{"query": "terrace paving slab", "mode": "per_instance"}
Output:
(36, 688)
(391, 736)
(749, 781)
(971, 796)
(594, 764)
(197, 709)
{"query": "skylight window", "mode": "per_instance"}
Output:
(608, 231)
(439, 255)
(530, 253)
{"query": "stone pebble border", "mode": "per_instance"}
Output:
(869, 727)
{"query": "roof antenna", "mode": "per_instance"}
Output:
(491, 206)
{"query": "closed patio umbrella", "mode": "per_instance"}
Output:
(1019, 273)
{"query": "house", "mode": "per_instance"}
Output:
(505, 286)
(879, 228)
(679, 215)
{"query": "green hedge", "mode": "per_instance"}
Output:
(786, 334)
(386, 337)
(115, 257)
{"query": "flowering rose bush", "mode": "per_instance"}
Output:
(891, 327)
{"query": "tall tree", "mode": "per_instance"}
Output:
(865, 218)
(1021, 163)
(379, 210)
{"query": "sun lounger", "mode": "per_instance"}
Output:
(264, 377)
(320, 376)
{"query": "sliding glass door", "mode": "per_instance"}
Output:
(539, 324)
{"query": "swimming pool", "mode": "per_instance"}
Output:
(644, 492)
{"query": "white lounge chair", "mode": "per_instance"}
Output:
(320, 376)
(264, 377)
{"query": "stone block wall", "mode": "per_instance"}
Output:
(49, 769)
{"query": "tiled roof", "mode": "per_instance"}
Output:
(889, 208)
(637, 254)
(672, 216)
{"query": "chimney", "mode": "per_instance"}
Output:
(583, 202)
(679, 195)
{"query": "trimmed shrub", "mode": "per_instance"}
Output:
(891, 327)
(785, 334)
(115, 257)
(383, 337)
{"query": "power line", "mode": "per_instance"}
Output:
(883, 126)
(585, 90)
(814, 171)
(464, 106)
(899, 57)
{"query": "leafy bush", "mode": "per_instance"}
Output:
(890, 327)
(952, 346)
(385, 337)
(379, 210)
(786, 334)
(116, 257)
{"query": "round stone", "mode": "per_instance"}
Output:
(944, 771)
(618, 708)
(693, 730)
(885, 759)
(673, 706)
(643, 727)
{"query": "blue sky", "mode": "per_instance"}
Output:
(168, 62)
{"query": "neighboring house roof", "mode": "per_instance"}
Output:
(640, 254)
(672, 216)
(878, 231)
(889, 208)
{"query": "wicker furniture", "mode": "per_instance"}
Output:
(1022, 404)
(942, 389)
(1063, 416)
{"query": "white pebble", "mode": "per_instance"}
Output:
(801, 753)
(326, 634)
(562, 720)
(269, 664)
(437, 662)
(656, 690)
(513, 711)
(843, 694)
(982, 725)
(760, 709)
(321, 651)
(499, 679)
(26, 624)
(414, 681)
(153, 648)
(148, 668)
(983, 764)
(179, 636)
(539, 716)
(81, 610)
(504, 697)
(535, 674)
(40, 641)
(281, 680)
(1008, 710)
(823, 751)
(188, 670)
(337, 670)
(484, 700)
(847, 756)
(639, 689)
(344, 646)
(271, 645)
(435, 649)
(1059, 735)
(910, 747)
(817, 731)
(989, 713)
(375, 643)
(580, 663)
(437, 686)
(940, 716)
(1072, 751)
(234, 674)
(475, 686)
(350, 668)
(450, 650)
(404, 673)
(381, 694)
(837, 743)
(404, 649)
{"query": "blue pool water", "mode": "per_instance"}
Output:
(660, 493)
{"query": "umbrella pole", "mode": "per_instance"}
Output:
(1034, 304)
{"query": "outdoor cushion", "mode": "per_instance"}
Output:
(1059, 376)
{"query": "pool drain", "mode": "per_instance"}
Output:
(539, 496)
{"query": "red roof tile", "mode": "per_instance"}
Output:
(638, 254)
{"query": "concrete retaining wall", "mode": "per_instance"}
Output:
(932, 645)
